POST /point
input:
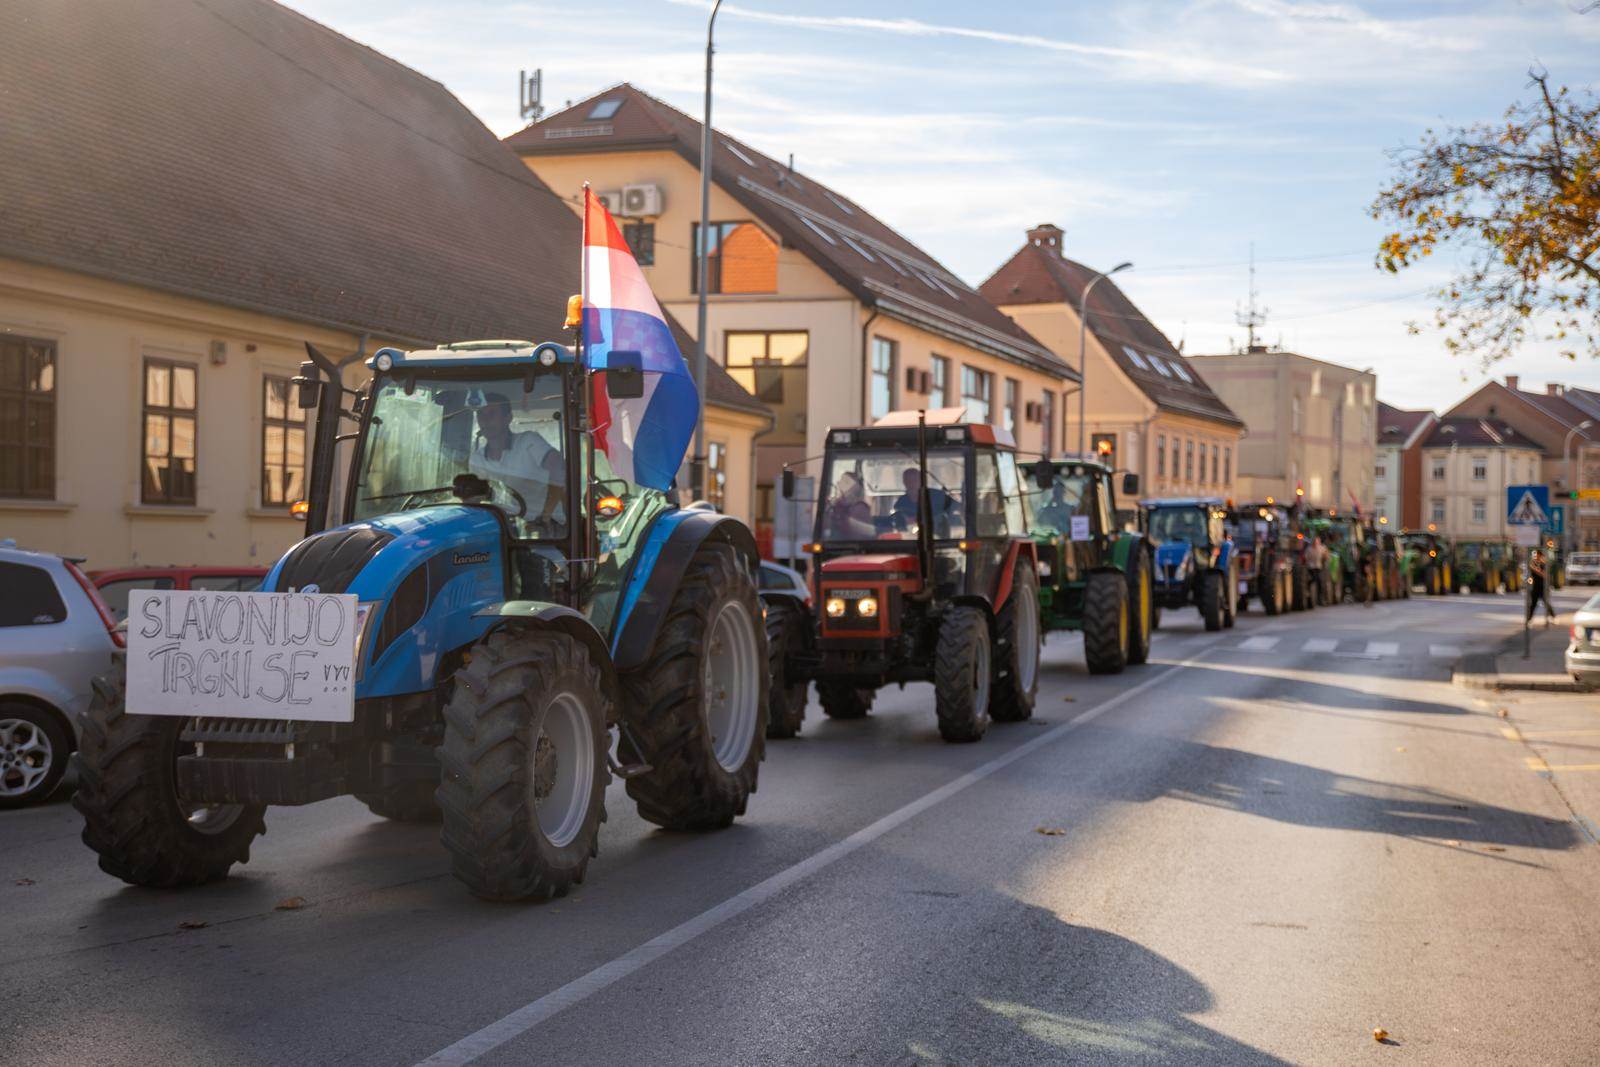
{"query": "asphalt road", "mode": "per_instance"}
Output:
(1260, 847)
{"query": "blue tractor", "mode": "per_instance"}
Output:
(1195, 564)
(516, 606)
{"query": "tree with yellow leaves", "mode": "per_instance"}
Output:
(1521, 201)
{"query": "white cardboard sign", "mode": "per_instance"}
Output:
(242, 655)
(1080, 528)
(1527, 536)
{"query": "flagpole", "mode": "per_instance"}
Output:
(698, 463)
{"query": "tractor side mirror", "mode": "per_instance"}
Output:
(1130, 484)
(307, 386)
(624, 375)
(788, 484)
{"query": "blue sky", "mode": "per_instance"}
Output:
(1170, 134)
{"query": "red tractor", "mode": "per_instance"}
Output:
(922, 570)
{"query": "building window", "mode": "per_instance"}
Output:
(882, 392)
(1214, 450)
(741, 259)
(1176, 446)
(1188, 461)
(27, 418)
(1436, 510)
(1294, 414)
(171, 405)
(772, 367)
(717, 474)
(283, 443)
(1013, 388)
(1047, 417)
(939, 391)
(1202, 461)
(1437, 474)
(1161, 455)
(977, 393)
(641, 238)
(1227, 466)
(1381, 471)
(1480, 510)
(1480, 468)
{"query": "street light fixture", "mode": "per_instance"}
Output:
(1083, 350)
(1566, 455)
(703, 250)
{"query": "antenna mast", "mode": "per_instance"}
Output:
(1254, 316)
(530, 95)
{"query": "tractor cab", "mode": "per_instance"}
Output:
(1193, 556)
(921, 568)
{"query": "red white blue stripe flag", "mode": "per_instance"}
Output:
(646, 437)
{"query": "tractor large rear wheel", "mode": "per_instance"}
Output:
(786, 700)
(133, 818)
(1211, 594)
(1230, 602)
(523, 765)
(698, 705)
(1017, 648)
(963, 677)
(1141, 606)
(1271, 586)
(1105, 623)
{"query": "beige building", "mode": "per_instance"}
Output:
(1311, 425)
(159, 274)
(1467, 463)
(823, 312)
(1159, 418)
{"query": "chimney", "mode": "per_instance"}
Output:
(1511, 382)
(1046, 235)
(1552, 388)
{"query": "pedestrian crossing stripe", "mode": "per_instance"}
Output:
(1326, 645)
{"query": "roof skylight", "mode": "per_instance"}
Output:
(897, 268)
(840, 204)
(736, 150)
(1161, 367)
(1133, 354)
(603, 110)
(818, 230)
(1183, 372)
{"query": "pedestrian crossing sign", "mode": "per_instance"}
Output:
(1527, 505)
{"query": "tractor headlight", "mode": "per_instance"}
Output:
(363, 616)
(383, 362)
(867, 607)
(835, 607)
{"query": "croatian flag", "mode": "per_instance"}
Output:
(644, 438)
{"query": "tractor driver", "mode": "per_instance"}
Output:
(905, 508)
(1058, 513)
(522, 461)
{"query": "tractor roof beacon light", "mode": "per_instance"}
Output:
(574, 311)
(384, 362)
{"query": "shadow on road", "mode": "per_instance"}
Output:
(1311, 687)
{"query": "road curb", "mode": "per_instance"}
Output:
(1481, 670)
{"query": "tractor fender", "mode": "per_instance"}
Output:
(1224, 556)
(1123, 548)
(542, 614)
(1008, 567)
(670, 543)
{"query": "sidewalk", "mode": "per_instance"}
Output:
(1544, 669)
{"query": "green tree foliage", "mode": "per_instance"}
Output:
(1520, 199)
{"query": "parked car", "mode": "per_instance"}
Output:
(1583, 568)
(55, 636)
(1583, 653)
(115, 586)
(776, 578)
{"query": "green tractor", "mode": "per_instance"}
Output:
(1352, 556)
(1094, 576)
(1430, 559)
(1486, 566)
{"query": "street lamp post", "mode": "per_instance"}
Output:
(1083, 352)
(1566, 455)
(703, 252)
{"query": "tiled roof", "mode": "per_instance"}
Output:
(1563, 410)
(1467, 431)
(865, 256)
(1039, 274)
(272, 164)
(1396, 425)
(239, 153)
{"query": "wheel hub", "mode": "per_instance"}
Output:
(25, 756)
(731, 677)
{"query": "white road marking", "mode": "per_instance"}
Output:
(1382, 648)
(1258, 644)
(1320, 644)
(530, 1015)
(1444, 651)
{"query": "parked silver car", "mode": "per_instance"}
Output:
(1583, 652)
(1583, 568)
(55, 637)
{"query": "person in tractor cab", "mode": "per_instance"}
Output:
(940, 503)
(1057, 514)
(1180, 524)
(849, 514)
(522, 461)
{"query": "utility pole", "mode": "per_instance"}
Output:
(698, 464)
(1253, 317)
(1083, 351)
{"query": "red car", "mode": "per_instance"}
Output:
(114, 586)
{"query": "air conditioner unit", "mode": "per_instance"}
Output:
(612, 201)
(641, 201)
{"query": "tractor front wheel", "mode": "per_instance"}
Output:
(786, 700)
(1271, 587)
(698, 705)
(1105, 623)
(523, 765)
(1230, 610)
(962, 676)
(144, 832)
(1211, 595)
(1141, 607)
(1017, 649)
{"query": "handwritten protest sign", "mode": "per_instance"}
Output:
(243, 655)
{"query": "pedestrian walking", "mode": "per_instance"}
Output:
(1538, 589)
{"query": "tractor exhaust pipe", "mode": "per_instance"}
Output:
(326, 398)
